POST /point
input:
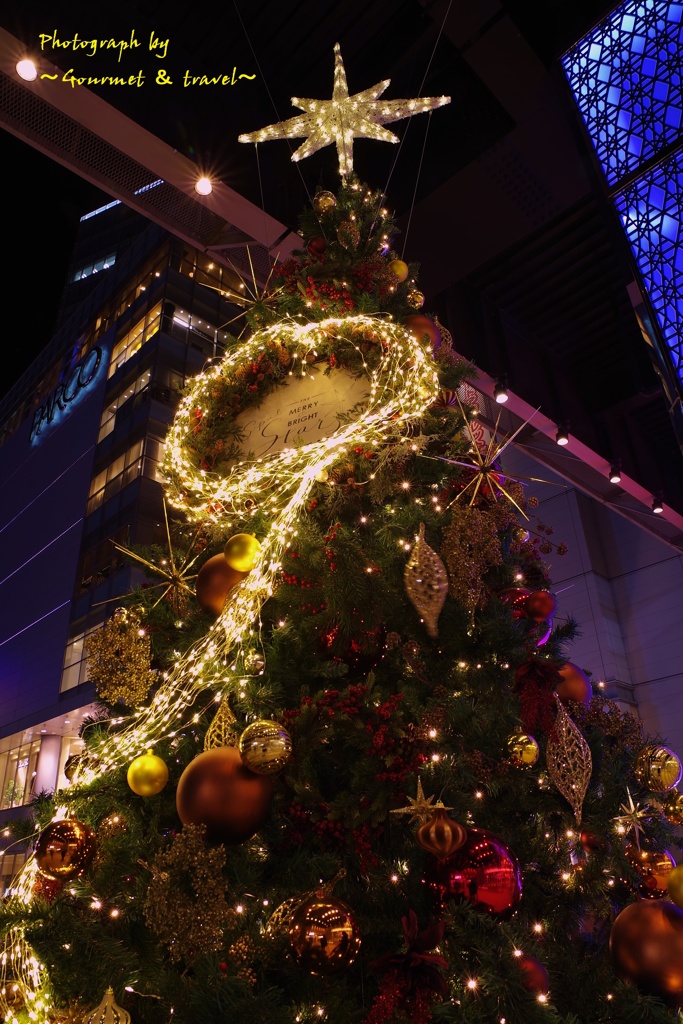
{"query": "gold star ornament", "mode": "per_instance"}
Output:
(631, 818)
(344, 118)
(420, 808)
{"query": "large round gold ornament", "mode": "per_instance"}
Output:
(265, 747)
(522, 750)
(215, 581)
(646, 944)
(65, 849)
(441, 835)
(242, 552)
(323, 934)
(147, 774)
(657, 768)
(218, 790)
(399, 269)
(674, 885)
(324, 201)
(672, 806)
(654, 868)
(108, 1012)
(415, 298)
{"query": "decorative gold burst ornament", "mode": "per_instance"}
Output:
(630, 818)
(426, 582)
(420, 807)
(344, 118)
(224, 730)
(569, 760)
(119, 659)
(108, 1012)
(175, 578)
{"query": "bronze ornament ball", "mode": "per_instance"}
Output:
(421, 325)
(657, 768)
(399, 269)
(214, 582)
(242, 552)
(147, 774)
(646, 946)
(523, 750)
(323, 934)
(266, 747)
(672, 807)
(653, 867)
(575, 684)
(217, 790)
(65, 849)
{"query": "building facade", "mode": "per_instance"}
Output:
(82, 437)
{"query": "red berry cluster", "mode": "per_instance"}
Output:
(330, 536)
(328, 295)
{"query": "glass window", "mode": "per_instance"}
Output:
(133, 341)
(75, 669)
(118, 474)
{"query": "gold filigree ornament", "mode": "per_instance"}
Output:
(569, 760)
(108, 1012)
(426, 582)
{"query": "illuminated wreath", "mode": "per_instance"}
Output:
(402, 384)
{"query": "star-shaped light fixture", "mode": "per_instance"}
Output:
(175, 576)
(344, 118)
(632, 815)
(420, 807)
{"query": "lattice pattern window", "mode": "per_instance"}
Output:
(651, 211)
(627, 77)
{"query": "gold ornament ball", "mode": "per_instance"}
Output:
(674, 885)
(653, 867)
(147, 774)
(522, 750)
(324, 201)
(415, 298)
(265, 747)
(399, 269)
(672, 806)
(65, 849)
(242, 552)
(323, 934)
(657, 768)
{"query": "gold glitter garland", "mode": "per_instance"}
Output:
(118, 659)
(186, 905)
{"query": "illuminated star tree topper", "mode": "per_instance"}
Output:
(344, 118)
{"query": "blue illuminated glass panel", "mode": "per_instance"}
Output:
(651, 210)
(627, 77)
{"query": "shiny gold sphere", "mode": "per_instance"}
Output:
(147, 774)
(674, 885)
(324, 201)
(399, 269)
(65, 849)
(522, 750)
(654, 868)
(672, 806)
(242, 552)
(265, 747)
(323, 934)
(415, 298)
(657, 768)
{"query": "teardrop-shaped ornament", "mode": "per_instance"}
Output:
(108, 1012)
(426, 582)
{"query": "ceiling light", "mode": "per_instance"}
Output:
(203, 187)
(614, 474)
(500, 393)
(562, 436)
(657, 505)
(27, 70)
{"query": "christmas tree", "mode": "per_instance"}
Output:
(349, 774)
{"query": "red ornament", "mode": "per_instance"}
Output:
(575, 684)
(540, 605)
(483, 872)
(317, 245)
(534, 975)
(516, 599)
(592, 843)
